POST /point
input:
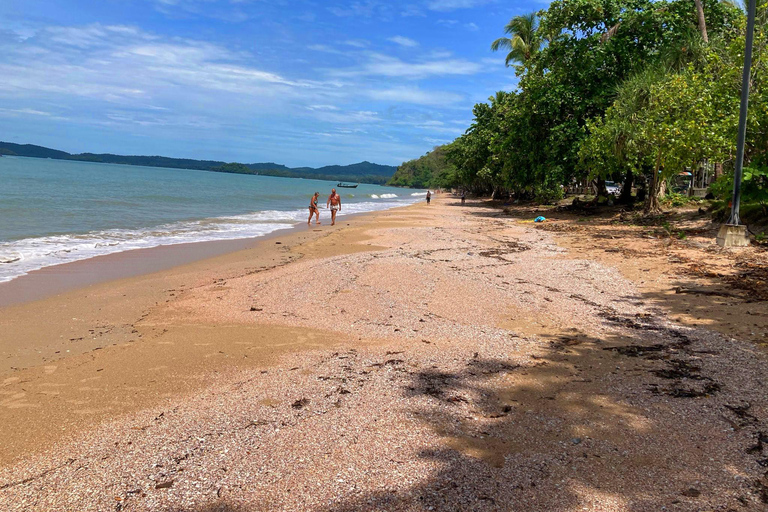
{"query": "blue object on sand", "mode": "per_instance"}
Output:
(539, 219)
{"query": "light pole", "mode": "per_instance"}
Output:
(732, 233)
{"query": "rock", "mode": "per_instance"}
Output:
(164, 485)
(576, 440)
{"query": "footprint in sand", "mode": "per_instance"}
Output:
(49, 369)
(90, 411)
(21, 405)
(11, 380)
(77, 402)
(16, 402)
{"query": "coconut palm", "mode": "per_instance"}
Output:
(702, 22)
(524, 40)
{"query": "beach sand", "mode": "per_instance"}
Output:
(425, 358)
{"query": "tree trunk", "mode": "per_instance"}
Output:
(600, 190)
(626, 190)
(702, 22)
(652, 205)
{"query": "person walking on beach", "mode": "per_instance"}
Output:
(334, 201)
(313, 209)
(463, 196)
(429, 196)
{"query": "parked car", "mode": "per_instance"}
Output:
(612, 188)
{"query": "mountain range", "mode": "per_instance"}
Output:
(363, 172)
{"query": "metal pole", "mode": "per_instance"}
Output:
(735, 220)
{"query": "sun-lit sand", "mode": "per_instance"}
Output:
(425, 358)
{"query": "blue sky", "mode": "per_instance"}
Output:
(300, 82)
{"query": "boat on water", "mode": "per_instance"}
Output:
(346, 185)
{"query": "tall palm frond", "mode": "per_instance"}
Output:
(524, 40)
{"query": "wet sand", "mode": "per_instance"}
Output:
(76, 358)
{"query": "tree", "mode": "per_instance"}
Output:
(702, 21)
(524, 41)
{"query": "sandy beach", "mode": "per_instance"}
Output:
(439, 357)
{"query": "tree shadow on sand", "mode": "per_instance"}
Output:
(569, 432)
(631, 423)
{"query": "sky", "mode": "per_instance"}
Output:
(300, 82)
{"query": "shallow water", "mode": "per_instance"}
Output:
(57, 211)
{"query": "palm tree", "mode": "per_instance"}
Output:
(524, 40)
(702, 22)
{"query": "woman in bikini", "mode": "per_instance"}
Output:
(313, 210)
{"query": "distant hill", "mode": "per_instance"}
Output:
(363, 172)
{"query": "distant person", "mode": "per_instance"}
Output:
(313, 209)
(429, 196)
(463, 197)
(334, 201)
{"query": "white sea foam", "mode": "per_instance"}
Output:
(418, 194)
(20, 257)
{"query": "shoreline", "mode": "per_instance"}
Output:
(100, 321)
(70, 276)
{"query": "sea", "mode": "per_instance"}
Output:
(59, 211)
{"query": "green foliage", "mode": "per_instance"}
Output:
(547, 195)
(429, 171)
(607, 89)
(677, 200)
(525, 39)
(610, 89)
(754, 187)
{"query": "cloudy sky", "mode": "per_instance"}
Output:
(300, 82)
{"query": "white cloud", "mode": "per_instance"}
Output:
(126, 65)
(130, 81)
(437, 142)
(412, 11)
(363, 9)
(452, 5)
(322, 107)
(403, 41)
(29, 111)
(357, 43)
(385, 65)
(337, 116)
(324, 48)
(414, 95)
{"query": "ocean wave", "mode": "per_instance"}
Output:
(418, 194)
(383, 196)
(20, 257)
